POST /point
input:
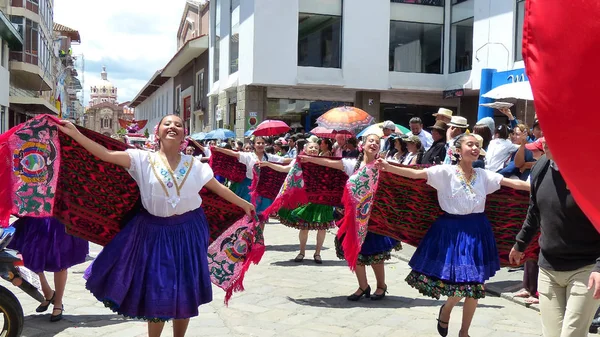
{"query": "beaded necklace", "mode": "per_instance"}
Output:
(467, 184)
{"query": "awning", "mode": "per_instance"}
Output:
(518, 90)
(190, 50)
(9, 33)
(153, 84)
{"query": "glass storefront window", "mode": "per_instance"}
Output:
(519, 30)
(319, 40)
(416, 47)
(461, 46)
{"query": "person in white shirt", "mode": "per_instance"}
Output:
(388, 129)
(500, 150)
(416, 129)
(167, 243)
(458, 253)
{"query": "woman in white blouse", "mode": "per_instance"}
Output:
(458, 253)
(156, 268)
(249, 159)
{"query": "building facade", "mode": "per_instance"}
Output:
(293, 60)
(33, 69)
(68, 88)
(104, 111)
(181, 87)
(10, 40)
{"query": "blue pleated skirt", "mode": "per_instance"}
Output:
(242, 190)
(156, 268)
(458, 249)
(46, 246)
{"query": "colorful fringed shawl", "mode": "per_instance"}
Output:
(45, 173)
(358, 201)
(226, 166)
(230, 256)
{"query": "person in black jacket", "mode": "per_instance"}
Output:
(437, 152)
(569, 260)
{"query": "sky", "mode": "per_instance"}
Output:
(132, 38)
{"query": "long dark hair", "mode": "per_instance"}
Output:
(157, 141)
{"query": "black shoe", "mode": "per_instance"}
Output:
(377, 297)
(56, 318)
(299, 258)
(442, 331)
(355, 297)
(317, 259)
(43, 307)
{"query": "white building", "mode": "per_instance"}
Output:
(294, 59)
(10, 39)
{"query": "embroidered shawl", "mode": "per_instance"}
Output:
(266, 182)
(226, 166)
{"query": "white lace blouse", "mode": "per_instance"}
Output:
(164, 192)
(250, 158)
(456, 196)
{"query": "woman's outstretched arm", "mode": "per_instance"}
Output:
(120, 158)
(401, 171)
(227, 152)
(278, 168)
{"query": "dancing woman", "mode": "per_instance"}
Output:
(156, 268)
(46, 246)
(249, 159)
(307, 217)
(375, 248)
(458, 253)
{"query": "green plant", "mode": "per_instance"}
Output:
(121, 132)
(146, 133)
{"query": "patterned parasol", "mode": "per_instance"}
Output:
(322, 132)
(345, 118)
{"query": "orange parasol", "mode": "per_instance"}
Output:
(345, 118)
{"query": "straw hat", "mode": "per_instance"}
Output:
(458, 122)
(443, 112)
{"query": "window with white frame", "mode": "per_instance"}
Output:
(461, 36)
(199, 87)
(178, 100)
(234, 40)
(216, 39)
(416, 47)
(519, 30)
(320, 33)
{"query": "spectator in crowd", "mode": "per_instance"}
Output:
(388, 129)
(444, 115)
(416, 129)
(457, 126)
(500, 150)
(485, 127)
(292, 145)
(437, 152)
(569, 260)
(351, 150)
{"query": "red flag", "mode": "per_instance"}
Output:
(561, 45)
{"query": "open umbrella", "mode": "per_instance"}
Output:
(322, 132)
(377, 129)
(220, 134)
(271, 127)
(345, 118)
(198, 136)
(518, 90)
(248, 133)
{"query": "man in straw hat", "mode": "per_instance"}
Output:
(437, 152)
(444, 115)
(457, 126)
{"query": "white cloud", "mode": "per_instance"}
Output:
(136, 36)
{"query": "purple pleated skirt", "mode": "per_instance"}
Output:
(156, 268)
(46, 246)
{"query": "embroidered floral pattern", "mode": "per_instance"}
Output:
(433, 287)
(467, 184)
(168, 178)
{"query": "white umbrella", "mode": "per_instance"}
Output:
(518, 90)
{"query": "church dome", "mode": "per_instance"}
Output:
(104, 86)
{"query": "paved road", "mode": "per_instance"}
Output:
(284, 298)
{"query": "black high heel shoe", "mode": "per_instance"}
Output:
(441, 330)
(366, 293)
(42, 308)
(56, 318)
(377, 297)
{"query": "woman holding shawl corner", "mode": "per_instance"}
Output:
(156, 268)
(306, 217)
(458, 253)
(375, 248)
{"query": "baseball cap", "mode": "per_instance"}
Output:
(389, 125)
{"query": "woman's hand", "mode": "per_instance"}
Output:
(305, 159)
(67, 128)
(249, 209)
(263, 164)
(382, 164)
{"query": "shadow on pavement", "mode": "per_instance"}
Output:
(42, 322)
(309, 262)
(504, 286)
(291, 248)
(390, 301)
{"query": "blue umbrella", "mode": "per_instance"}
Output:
(220, 134)
(248, 133)
(198, 136)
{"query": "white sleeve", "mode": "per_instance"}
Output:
(349, 164)
(204, 173)
(438, 176)
(245, 158)
(491, 181)
(275, 159)
(136, 157)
